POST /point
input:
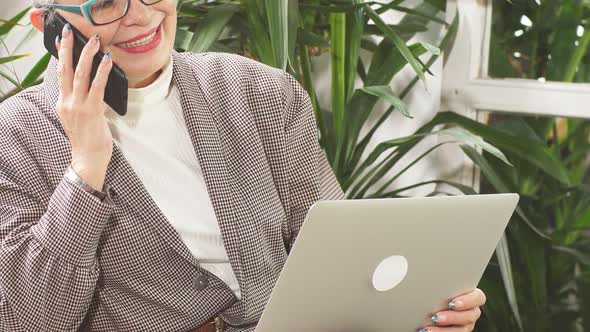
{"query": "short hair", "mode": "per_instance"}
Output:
(43, 3)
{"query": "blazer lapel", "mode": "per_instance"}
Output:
(198, 115)
(123, 180)
(121, 177)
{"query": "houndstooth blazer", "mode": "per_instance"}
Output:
(69, 261)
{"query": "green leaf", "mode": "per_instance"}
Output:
(355, 25)
(183, 39)
(466, 190)
(528, 150)
(293, 29)
(503, 255)
(492, 176)
(354, 155)
(408, 28)
(338, 83)
(399, 43)
(468, 137)
(278, 25)
(12, 58)
(309, 38)
(211, 27)
(411, 11)
(7, 26)
(260, 39)
(11, 80)
(385, 92)
(431, 48)
(37, 70)
(584, 287)
(387, 62)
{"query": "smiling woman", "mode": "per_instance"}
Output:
(139, 37)
(177, 216)
(138, 222)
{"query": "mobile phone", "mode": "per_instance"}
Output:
(115, 94)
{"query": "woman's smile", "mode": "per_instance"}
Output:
(143, 43)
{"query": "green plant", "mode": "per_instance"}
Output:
(32, 77)
(549, 237)
(286, 34)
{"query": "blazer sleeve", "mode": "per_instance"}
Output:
(310, 175)
(47, 251)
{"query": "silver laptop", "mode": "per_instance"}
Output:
(384, 264)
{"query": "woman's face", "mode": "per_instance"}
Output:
(140, 42)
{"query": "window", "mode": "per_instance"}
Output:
(513, 85)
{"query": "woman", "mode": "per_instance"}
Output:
(176, 217)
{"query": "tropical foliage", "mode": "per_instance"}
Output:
(287, 34)
(6, 71)
(549, 237)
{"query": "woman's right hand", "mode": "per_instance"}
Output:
(81, 111)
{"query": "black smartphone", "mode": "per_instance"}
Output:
(115, 94)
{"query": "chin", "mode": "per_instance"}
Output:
(140, 67)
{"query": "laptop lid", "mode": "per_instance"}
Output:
(384, 264)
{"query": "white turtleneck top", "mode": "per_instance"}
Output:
(154, 139)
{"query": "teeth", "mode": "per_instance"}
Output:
(139, 42)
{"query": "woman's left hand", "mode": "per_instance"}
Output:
(462, 316)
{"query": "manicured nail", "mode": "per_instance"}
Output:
(452, 305)
(107, 55)
(67, 29)
(97, 36)
(57, 39)
(422, 330)
(434, 319)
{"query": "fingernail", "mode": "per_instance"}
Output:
(97, 36)
(452, 305)
(67, 29)
(422, 330)
(57, 39)
(434, 319)
(107, 56)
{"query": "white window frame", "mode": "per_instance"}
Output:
(467, 90)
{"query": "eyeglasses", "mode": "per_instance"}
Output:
(100, 12)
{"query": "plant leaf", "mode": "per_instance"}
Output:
(12, 58)
(385, 92)
(211, 27)
(7, 26)
(503, 255)
(278, 25)
(293, 29)
(183, 39)
(468, 137)
(37, 70)
(399, 43)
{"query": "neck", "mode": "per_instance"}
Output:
(135, 84)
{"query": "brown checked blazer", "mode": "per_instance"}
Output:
(70, 262)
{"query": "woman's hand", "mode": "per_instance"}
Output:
(81, 110)
(463, 314)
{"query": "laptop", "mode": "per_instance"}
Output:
(378, 265)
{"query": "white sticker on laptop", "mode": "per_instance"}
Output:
(389, 273)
